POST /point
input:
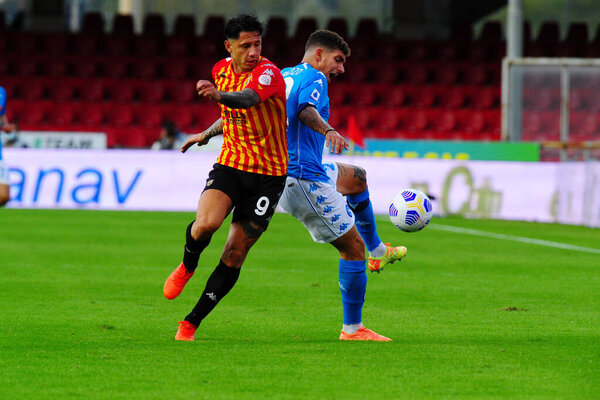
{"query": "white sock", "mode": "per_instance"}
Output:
(352, 328)
(378, 251)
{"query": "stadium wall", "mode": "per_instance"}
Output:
(169, 181)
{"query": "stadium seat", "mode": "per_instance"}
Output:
(181, 92)
(25, 43)
(421, 96)
(178, 46)
(443, 121)
(418, 51)
(34, 90)
(62, 116)
(115, 45)
(584, 126)
(56, 67)
(363, 95)
(122, 25)
(26, 66)
(339, 26)
(451, 96)
(123, 90)
(419, 122)
(65, 91)
(205, 115)
(121, 115)
(176, 69)
(34, 115)
(491, 32)
(449, 51)
(474, 122)
(417, 73)
(388, 50)
(394, 96)
(148, 68)
(276, 29)
(304, 27)
(116, 67)
(214, 27)
(151, 91)
(185, 26)
(86, 44)
(549, 34)
(483, 97)
(367, 30)
(207, 49)
(356, 71)
(447, 73)
(54, 44)
(181, 115)
(148, 115)
(129, 137)
(337, 94)
(93, 115)
(93, 23)
(148, 45)
(84, 67)
(462, 32)
(94, 90)
(154, 25)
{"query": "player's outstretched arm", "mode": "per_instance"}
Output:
(310, 117)
(202, 138)
(242, 99)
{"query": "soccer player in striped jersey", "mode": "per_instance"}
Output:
(314, 192)
(250, 172)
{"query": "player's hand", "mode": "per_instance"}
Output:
(200, 138)
(335, 142)
(9, 128)
(207, 89)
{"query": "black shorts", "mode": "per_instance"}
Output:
(254, 196)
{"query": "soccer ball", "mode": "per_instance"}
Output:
(411, 210)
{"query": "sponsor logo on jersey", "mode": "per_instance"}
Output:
(264, 79)
(315, 95)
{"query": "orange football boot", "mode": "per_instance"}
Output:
(186, 331)
(364, 334)
(176, 282)
(392, 254)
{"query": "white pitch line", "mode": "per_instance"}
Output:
(521, 239)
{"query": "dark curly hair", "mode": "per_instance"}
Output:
(243, 23)
(329, 40)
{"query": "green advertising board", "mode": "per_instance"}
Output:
(491, 151)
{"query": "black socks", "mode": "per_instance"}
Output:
(192, 249)
(218, 285)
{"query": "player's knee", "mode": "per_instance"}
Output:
(205, 226)
(234, 256)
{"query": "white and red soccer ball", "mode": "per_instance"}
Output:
(411, 210)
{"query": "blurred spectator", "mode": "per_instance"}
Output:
(170, 137)
(5, 126)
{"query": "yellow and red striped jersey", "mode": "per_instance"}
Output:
(254, 139)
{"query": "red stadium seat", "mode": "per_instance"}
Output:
(447, 74)
(148, 115)
(34, 116)
(452, 96)
(444, 121)
(66, 90)
(93, 23)
(56, 67)
(123, 91)
(304, 27)
(154, 25)
(93, 116)
(339, 26)
(364, 95)
(185, 26)
(148, 45)
(483, 97)
(129, 137)
(34, 90)
(418, 123)
(25, 43)
(25, 66)
(85, 67)
(421, 96)
(181, 91)
(214, 27)
(417, 74)
(122, 25)
(94, 90)
(86, 44)
(145, 68)
(121, 115)
(116, 67)
(584, 127)
(394, 96)
(388, 72)
(62, 116)
(54, 43)
(204, 115)
(178, 46)
(176, 69)
(151, 91)
(475, 122)
(115, 45)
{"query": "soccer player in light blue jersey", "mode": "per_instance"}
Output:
(6, 127)
(314, 192)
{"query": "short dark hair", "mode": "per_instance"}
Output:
(329, 40)
(243, 23)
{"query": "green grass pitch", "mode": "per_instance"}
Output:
(82, 314)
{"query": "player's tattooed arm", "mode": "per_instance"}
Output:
(243, 99)
(310, 117)
(202, 138)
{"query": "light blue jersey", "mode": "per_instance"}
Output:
(2, 111)
(305, 86)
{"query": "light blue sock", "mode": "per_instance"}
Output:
(365, 219)
(353, 285)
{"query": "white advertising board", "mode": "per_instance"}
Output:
(171, 181)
